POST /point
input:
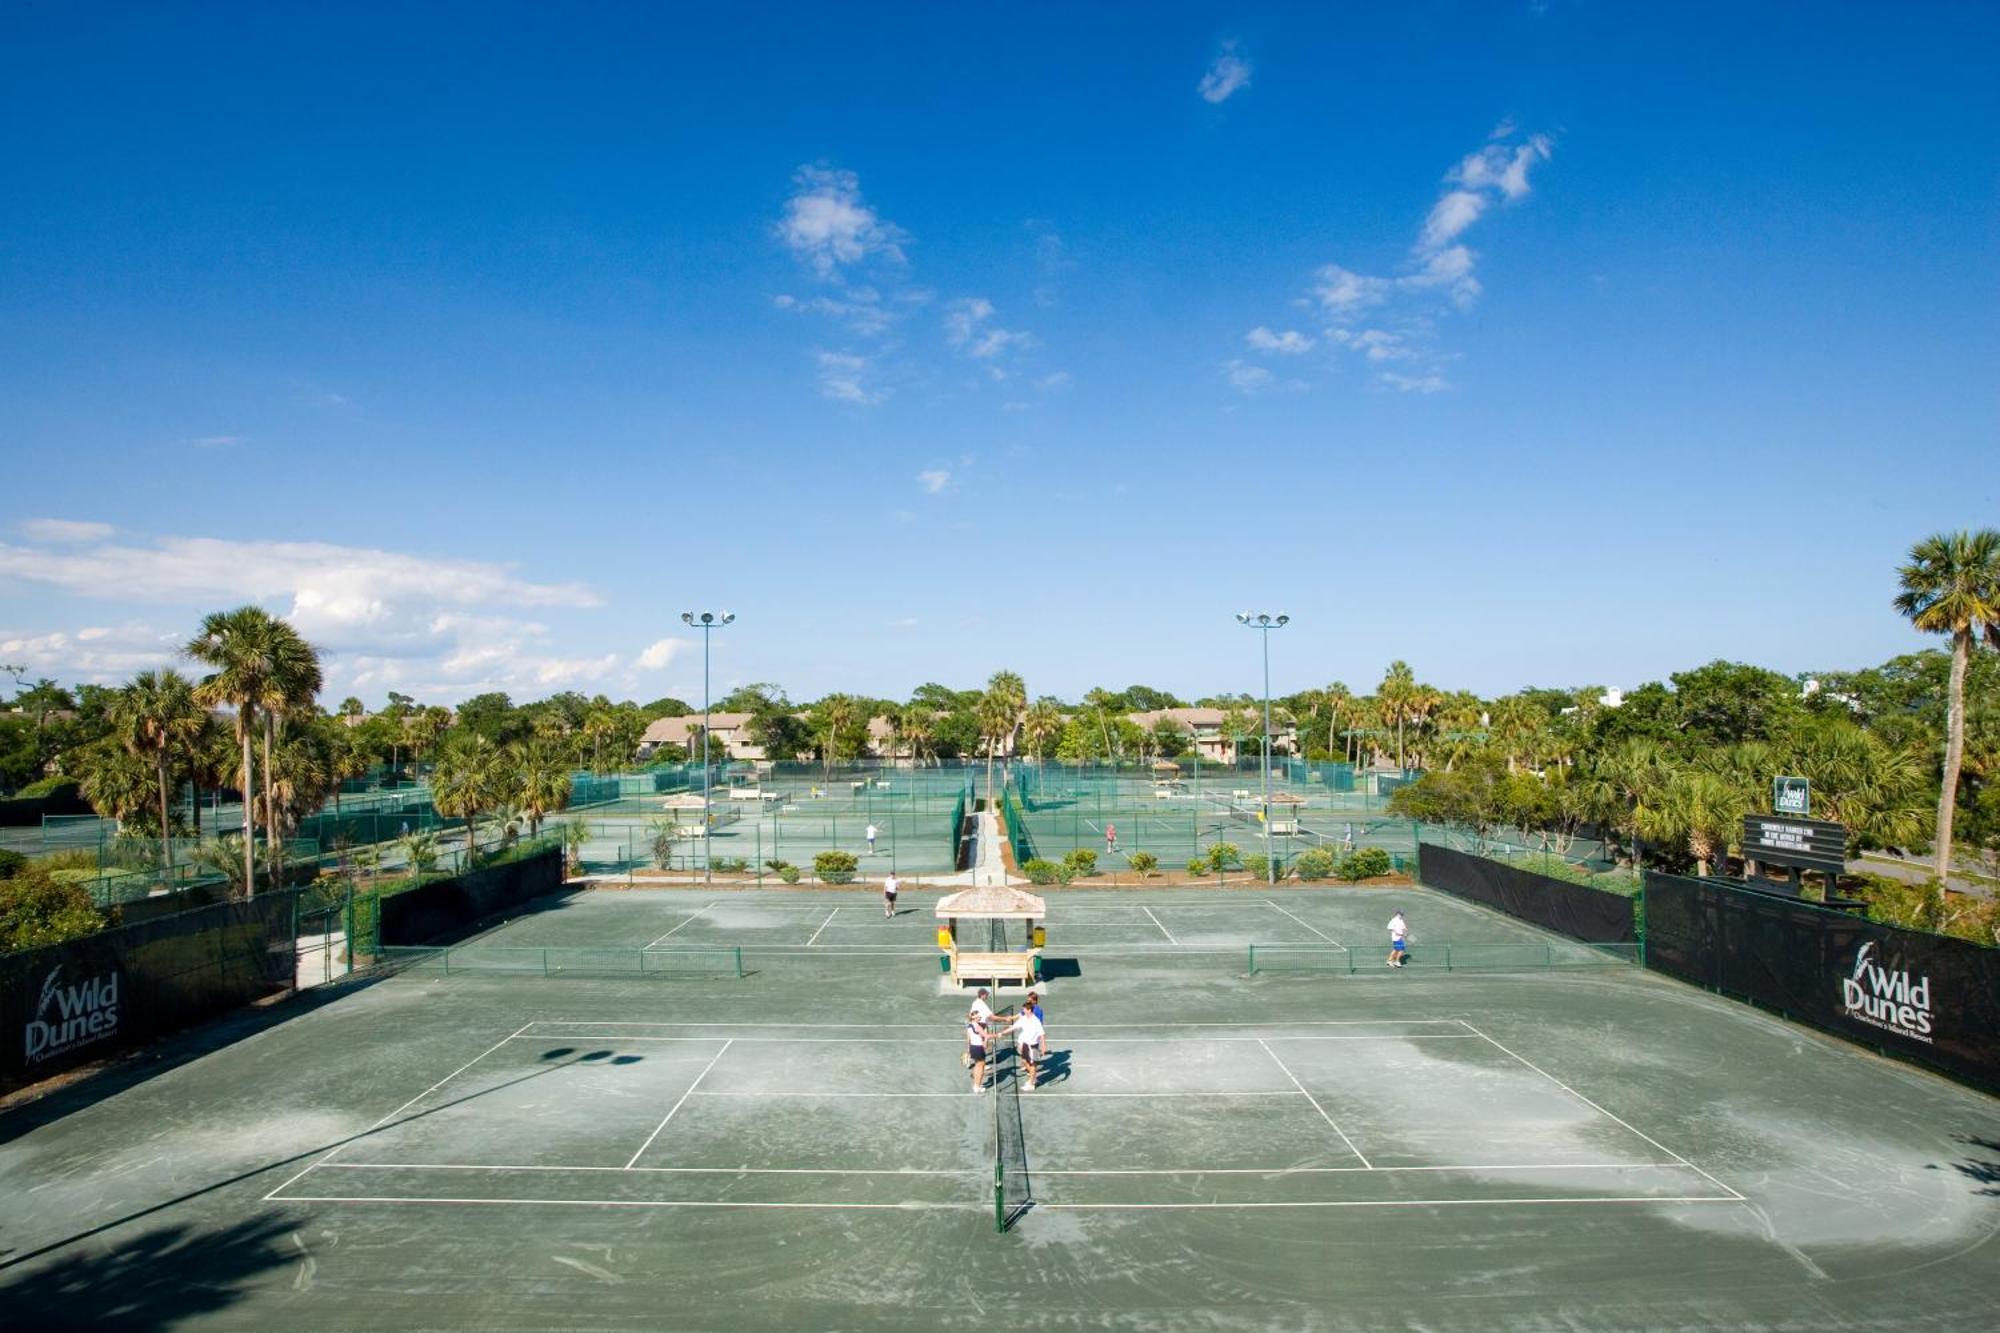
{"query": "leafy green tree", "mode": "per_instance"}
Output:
(999, 713)
(1168, 738)
(1041, 725)
(839, 727)
(240, 647)
(36, 910)
(158, 719)
(469, 779)
(539, 780)
(1951, 585)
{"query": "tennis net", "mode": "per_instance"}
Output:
(567, 962)
(1495, 957)
(1012, 1194)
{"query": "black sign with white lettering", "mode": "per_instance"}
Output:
(1809, 844)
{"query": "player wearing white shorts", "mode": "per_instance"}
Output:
(890, 885)
(1028, 1033)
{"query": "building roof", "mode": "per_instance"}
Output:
(676, 730)
(993, 902)
(1185, 717)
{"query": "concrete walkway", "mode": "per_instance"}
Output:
(987, 868)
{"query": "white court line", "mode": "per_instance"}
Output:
(933, 1027)
(822, 926)
(1309, 926)
(690, 921)
(662, 1170)
(1601, 1111)
(898, 1096)
(1315, 1102)
(412, 1102)
(1329, 1170)
(634, 1203)
(1395, 1203)
(958, 1041)
(677, 1105)
(1163, 930)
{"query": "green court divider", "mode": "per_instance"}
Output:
(1524, 956)
(477, 958)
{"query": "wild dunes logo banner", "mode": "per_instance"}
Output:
(1887, 998)
(71, 1016)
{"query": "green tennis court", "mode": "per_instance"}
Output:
(769, 1127)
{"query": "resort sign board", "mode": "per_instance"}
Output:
(1808, 844)
(1791, 796)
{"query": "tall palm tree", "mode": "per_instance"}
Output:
(1334, 698)
(1394, 695)
(238, 645)
(598, 727)
(1952, 586)
(540, 780)
(998, 711)
(116, 781)
(1700, 810)
(156, 717)
(919, 726)
(1623, 778)
(290, 689)
(467, 778)
(1040, 726)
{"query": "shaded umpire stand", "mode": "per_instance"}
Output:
(977, 926)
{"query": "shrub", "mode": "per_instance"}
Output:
(835, 867)
(1041, 870)
(1257, 866)
(11, 863)
(73, 858)
(784, 870)
(36, 910)
(52, 786)
(1315, 863)
(1081, 862)
(1363, 863)
(1224, 855)
(1144, 862)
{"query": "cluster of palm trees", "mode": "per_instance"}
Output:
(527, 780)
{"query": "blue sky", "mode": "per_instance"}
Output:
(1548, 343)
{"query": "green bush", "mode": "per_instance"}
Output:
(1041, 870)
(1364, 863)
(72, 858)
(835, 867)
(1200, 866)
(1143, 862)
(1315, 863)
(784, 870)
(731, 865)
(11, 863)
(35, 910)
(1257, 866)
(45, 787)
(1081, 863)
(1224, 856)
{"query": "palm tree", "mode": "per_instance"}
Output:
(1952, 586)
(1040, 726)
(1394, 696)
(468, 777)
(998, 711)
(1334, 698)
(290, 689)
(1700, 810)
(919, 727)
(116, 781)
(1623, 778)
(238, 644)
(346, 760)
(598, 727)
(156, 716)
(540, 780)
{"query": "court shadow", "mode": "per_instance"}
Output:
(157, 1279)
(1982, 1172)
(1059, 969)
(1054, 1067)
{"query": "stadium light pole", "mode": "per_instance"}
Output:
(1264, 625)
(706, 621)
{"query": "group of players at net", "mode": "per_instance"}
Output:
(1031, 1039)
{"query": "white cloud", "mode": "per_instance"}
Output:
(859, 308)
(934, 480)
(1289, 343)
(1055, 379)
(1450, 269)
(827, 225)
(1246, 378)
(96, 655)
(219, 441)
(64, 530)
(660, 652)
(1498, 167)
(903, 622)
(966, 327)
(840, 378)
(1375, 344)
(1427, 382)
(1452, 214)
(1229, 74)
(1344, 292)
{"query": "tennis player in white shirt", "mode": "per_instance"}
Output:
(1028, 1036)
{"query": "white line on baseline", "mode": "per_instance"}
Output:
(1315, 1102)
(956, 1041)
(1601, 1111)
(1308, 925)
(1333, 1170)
(690, 921)
(895, 1096)
(933, 1027)
(683, 1098)
(822, 926)
(660, 1170)
(1163, 930)
(1392, 1203)
(632, 1203)
(412, 1102)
